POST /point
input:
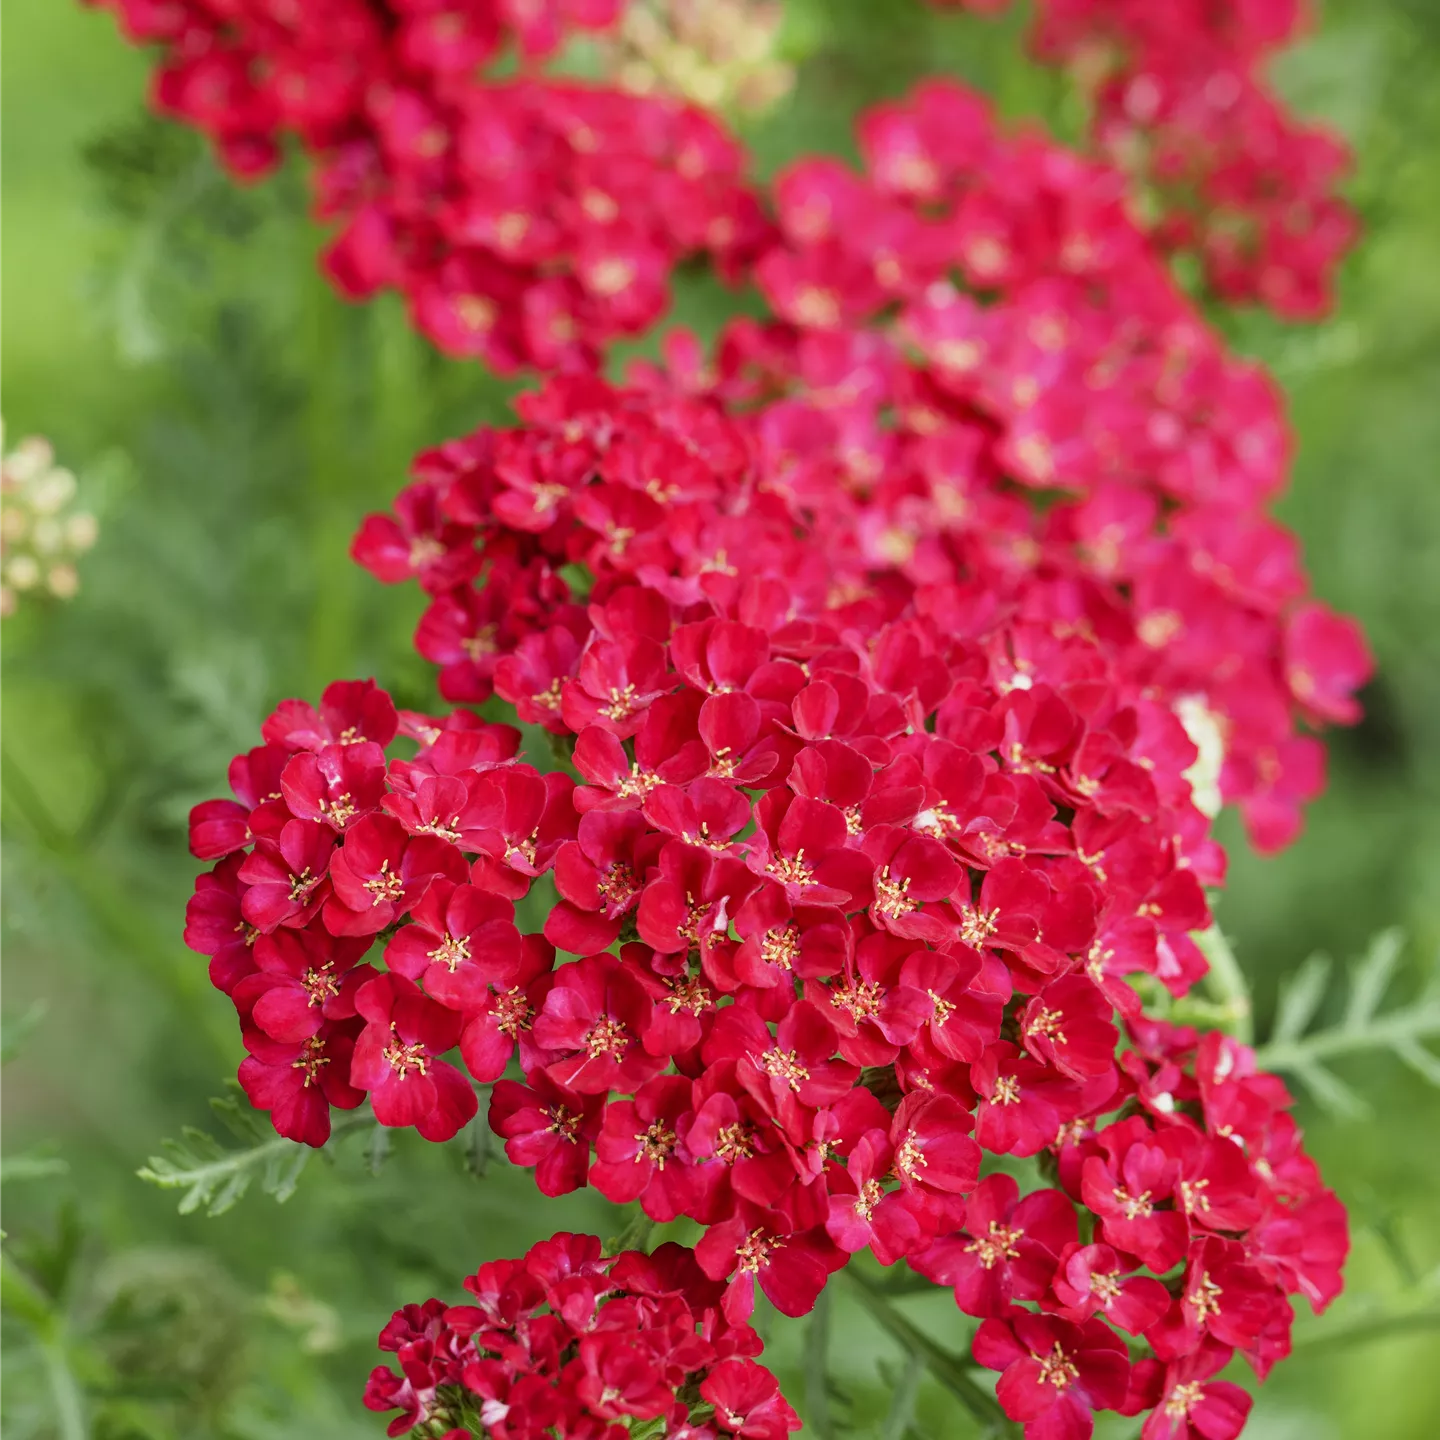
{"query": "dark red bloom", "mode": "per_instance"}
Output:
(1054, 1374)
(302, 980)
(1091, 1280)
(1008, 1250)
(1223, 1298)
(640, 1151)
(1129, 1191)
(594, 1021)
(1194, 1406)
(748, 1401)
(298, 1081)
(1022, 1103)
(380, 873)
(287, 878)
(758, 1247)
(459, 943)
(397, 1060)
(547, 1128)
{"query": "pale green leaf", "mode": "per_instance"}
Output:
(1300, 997)
(1371, 977)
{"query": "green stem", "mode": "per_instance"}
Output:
(946, 1368)
(1317, 1338)
(817, 1381)
(902, 1406)
(334, 512)
(634, 1235)
(26, 800)
(1227, 981)
(22, 1298)
(64, 1391)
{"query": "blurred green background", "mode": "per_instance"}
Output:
(231, 421)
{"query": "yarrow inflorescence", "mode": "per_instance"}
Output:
(1181, 103)
(569, 1342)
(883, 669)
(528, 220)
(863, 868)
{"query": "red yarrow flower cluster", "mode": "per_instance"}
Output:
(568, 1342)
(1182, 105)
(528, 222)
(859, 870)
(975, 324)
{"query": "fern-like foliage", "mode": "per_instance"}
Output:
(1307, 1053)
(215, 1176)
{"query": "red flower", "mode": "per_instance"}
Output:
(1224, 1298)
(351, 711)
(600, 876)
(595, 1020)
(418, 541)
(397, 1060)
(863, 1213)
(287, 879)
(1009, 1248)
(934, 1154)
(302, 979)
(1326, 661)
(548, 1128)
(298, 1081)
(380, 873)
(522, 821)
(910, 870)
(214, 925)
(1022, 1103)
(1006, 915)
(492, 1032)
(335, 784)
(1067, 1025)
(1192, 1405)
(1127, 1191)
(1054, 1373)
(748, 1401)
(964, 1015)
(460, 942)
(756, 1245)
(802, 845)
(797, 1064)
(641, 1153)
(1091, 1280)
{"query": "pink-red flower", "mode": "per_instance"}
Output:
(397, 1060)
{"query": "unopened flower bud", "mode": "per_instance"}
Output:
(22, 571)
(720, 54)
(38, 540)
(62, 581)
(81, 531)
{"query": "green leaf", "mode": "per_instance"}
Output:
(215, 1176)
(1300, 997)
(1420, 1060)
(34, 1164)
(1309, 1057)
(1371, 977)
(1332, 1092)
(15, 1032)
